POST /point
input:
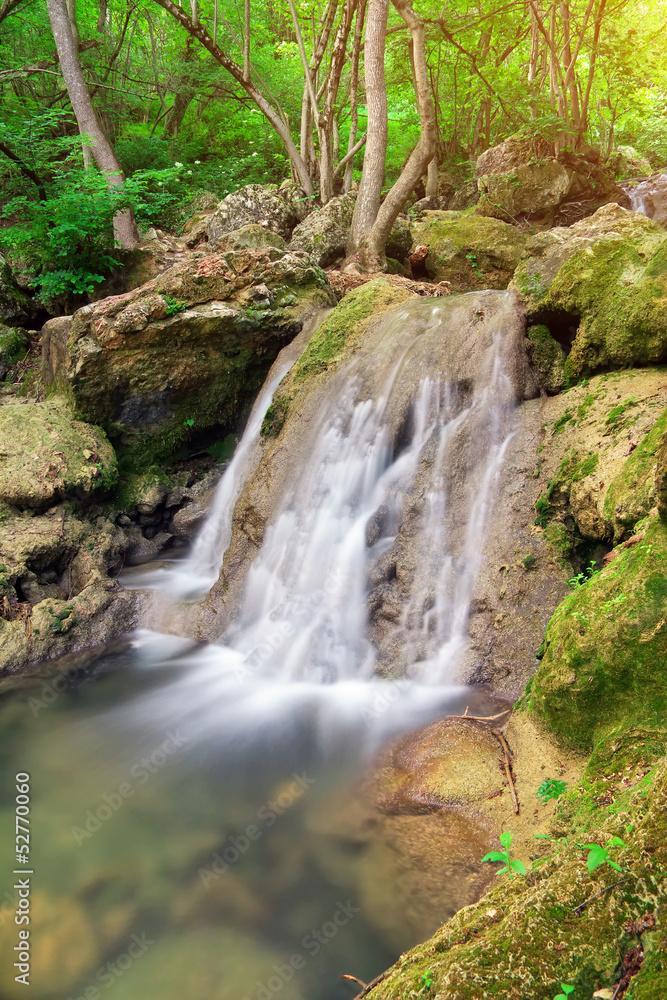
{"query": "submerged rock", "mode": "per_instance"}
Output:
(601, 283)
(47, 455)
(188, 350)
(468, 251)
(273, 208)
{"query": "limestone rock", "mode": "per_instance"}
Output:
(606, 277)
(276, 209)
(520, 180)
(323, 234)
(469, 251)
(188, 350)
(13, 345)
(250, 237)
(464, 197)
(548, 357)
(46, 455)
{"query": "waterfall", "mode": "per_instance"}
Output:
(395, 464)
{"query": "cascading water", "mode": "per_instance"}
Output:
(300, 633)
(200, 795)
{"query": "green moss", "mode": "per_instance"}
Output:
(548, 357)
(562, 421)
(632, 492)
(343, 327)
(275, 417)
(615, 414)
(606, 645)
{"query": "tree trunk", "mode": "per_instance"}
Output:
(372, 177)
(370, 234)
(125, 228)
(354, 86)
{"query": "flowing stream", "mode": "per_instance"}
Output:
(203, 797)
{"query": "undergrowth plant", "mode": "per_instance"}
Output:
(509, 866)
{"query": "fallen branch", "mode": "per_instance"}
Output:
(582, 906)
(507, 767)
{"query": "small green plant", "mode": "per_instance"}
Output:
(600, 855)
(174, 306)
(551, 788)
(189, 423)
(509, 866)
(567, 989)
(581, 578)
(529, 562)
(474, 263)
(427, 981)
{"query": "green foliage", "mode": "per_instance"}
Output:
(68, 239)
(174, 305)
(551, 788)
(600, 855)
(584, 576)
(567, 989)
(509, 866)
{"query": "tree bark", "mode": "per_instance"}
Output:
(354, 87)
(370, 234)
(372, 177)
(125, 228)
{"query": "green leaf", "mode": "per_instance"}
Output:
(506, 838)
(519, 866)
(596, 857)
(495, 856)
(616, 842)
(567, 989)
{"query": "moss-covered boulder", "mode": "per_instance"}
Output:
(46, 455)
(324, 233)
(598, 457)
(606, 278)
(547, 357)
(469, 251)
(14, 344)
(605, 651)
(187, 351)
(560, 924)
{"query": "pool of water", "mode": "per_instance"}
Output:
(176, 862)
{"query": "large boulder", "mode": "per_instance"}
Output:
(469, 251)
(323, 234)
(600, 285)
(188, 350)
(276, 209)
(45, 455)
(517, 184)
(16, 308)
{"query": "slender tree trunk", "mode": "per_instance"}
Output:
(246, 40)
(326, 122)
(369, 235)
(125, 228)
(372, 177)
(354, 87)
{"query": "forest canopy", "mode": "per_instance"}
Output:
(211, 95)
